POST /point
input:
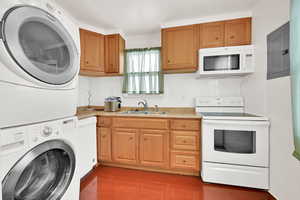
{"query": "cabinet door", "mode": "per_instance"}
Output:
(154, 148)
(180, 48)
(125, 146)
(112, 53)
(238, 32)
(212, 35)
(92, 47)
(104, 144)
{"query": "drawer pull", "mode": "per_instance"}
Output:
(131, 138)
(184, 161)
(145, 139)
(103, 136)
(184, 141)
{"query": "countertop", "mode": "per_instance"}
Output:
(189, 113)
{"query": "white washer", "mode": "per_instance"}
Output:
(39, 161)
(39, 62)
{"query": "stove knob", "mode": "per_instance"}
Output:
(47, 131)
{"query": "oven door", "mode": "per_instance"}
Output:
(236, 142)
(44, 173)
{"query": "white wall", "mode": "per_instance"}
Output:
(84, 87)
(180, 89)
(273, 99)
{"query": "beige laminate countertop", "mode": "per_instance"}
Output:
(189, 113)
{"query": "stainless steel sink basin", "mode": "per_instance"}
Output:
(143, 112)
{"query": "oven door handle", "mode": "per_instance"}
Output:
(234, 122)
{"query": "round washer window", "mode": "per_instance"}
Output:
(43, 173)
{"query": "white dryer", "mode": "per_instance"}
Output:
(39, 161)
(39, 62)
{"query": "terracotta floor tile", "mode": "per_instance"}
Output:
(108, 183)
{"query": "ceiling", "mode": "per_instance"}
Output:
(136, 17)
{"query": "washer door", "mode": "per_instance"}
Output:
(43, 173)
(40, 45)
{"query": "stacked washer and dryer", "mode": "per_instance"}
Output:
(39, 66)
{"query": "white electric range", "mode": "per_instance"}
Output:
(235, 145)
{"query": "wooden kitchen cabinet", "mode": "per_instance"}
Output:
(155, 144)
(185, 140)
(114, 53)
(179, 49)
(180, 44)
(154, 148)
(238, 32)
(104, 144)
(92, 52)
(125, 146)
(212, 34)
(185, 160)
(101, 55)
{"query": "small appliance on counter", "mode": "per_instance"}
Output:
(112, 104)
(235, 145)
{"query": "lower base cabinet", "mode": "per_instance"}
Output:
(171, 146)
(104, 144)
(125, 146)
(154, 148)
(185, 160)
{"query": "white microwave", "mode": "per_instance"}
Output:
(238, 60)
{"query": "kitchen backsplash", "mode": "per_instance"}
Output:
(180, 90)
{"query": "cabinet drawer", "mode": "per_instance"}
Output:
(104, 121)
(185, 140)
(143, 123)
(185, 160)
(185, 124)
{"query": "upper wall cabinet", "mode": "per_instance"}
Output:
(101, 55)
(212, 34)
(92, 51)
(114, 53)
(180, 44)
(179, 49)
(238, 32)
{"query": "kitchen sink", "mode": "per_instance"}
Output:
(143, 112)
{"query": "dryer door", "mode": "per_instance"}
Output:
(40, 45)
(45, 173)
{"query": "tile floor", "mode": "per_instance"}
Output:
(108, 183)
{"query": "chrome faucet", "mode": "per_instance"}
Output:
(144, 103)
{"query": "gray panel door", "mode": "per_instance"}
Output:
(278, 53)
